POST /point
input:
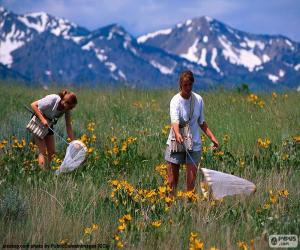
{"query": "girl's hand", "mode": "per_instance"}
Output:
(179, 138)
(216, 145)
(45, 122)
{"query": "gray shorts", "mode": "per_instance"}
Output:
(182, 157)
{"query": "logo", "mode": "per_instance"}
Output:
(283, 240)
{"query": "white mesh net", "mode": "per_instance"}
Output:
(226, 184)
(75, 155)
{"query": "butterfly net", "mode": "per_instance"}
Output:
(226, 184)
(75, 155)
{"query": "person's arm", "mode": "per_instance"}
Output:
(39, 114)
(210, 135)
(69, 126)
(178, 136)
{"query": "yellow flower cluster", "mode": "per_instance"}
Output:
(255, 100)
(3, 143)
(89, 140)
(64, 242)
(151, 196)
(18, 144)
(296, 139)
(156, 223)
(274, 198)
(91, 126)
(162, 170)
(91, 229)
(243, 245)
(219, 153)
(263, 143)
(121, 229)
(124, 146)
(191, 195)
(57, 161)
(32, 146)
(195, 243)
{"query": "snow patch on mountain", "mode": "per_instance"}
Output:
(37, 21)
(163, 69)
(252, 43)
(242, 57)
(188, 22)
(265, 58)
(281, 73)
(289, 44)
(8, 46)
(111, 66)
(213, 60)
(144, 38)
(90, 45)
(202, 59)
(192, 52)
(122, 75)
(297, 67)
(273, 78)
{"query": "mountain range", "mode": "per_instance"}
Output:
(38, 48)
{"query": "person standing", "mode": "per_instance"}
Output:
(186, 107)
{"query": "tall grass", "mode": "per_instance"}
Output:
(61, 208)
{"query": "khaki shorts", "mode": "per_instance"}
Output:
(183, 157)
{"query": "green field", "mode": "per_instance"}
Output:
(126, 131)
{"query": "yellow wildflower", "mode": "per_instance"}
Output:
(87, 230)
(64, 242)
(122, 227)
(243, 245)
(117, 237)
(120, 244)
(198, 244)
(156, 223)
(127, 217)
(284, 193)
(131, 139)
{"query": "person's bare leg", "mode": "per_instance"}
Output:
(191, 173)
(173, 176)
(42, 151)
(50, 144)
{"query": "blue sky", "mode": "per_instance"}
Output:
(142, 16)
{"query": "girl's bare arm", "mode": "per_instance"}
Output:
(39, 114)
(210, 134)
(69, 125)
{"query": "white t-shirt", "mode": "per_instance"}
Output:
(180, 111)
(48, 106)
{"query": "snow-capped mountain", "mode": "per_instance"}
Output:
(228, 51)
(17, 30)
(42, 49)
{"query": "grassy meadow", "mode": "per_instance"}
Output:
(119, 196)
